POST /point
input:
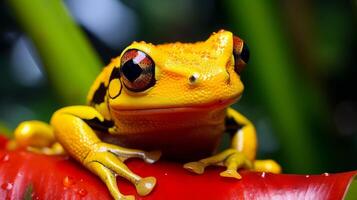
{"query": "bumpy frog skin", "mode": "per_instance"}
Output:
(171, 100)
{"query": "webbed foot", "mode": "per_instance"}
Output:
(55, 149)
(107, 161)
(37, 137)
(233, 160)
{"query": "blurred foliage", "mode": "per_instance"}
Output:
(299, 84)
(280, 87)
(70, 62)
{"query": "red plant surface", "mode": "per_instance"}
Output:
(28, 175)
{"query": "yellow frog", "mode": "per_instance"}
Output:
(171, 100)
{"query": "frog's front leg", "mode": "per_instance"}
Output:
(242, 152)
(73, 129)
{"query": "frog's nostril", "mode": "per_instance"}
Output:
(193, 78)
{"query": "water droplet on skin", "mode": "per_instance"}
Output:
(263, 175)
(6, 186)
(68, 181)
(148, 185)
(326, 174)
(82, 192)
(307, 176)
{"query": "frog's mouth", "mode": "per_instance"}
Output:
(220, 104)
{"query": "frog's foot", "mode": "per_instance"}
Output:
(37, 137)
(106, 161)
(231, 158)
(267, 166)
(55, 149)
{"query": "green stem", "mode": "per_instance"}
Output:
(68, 58)
(271, 65)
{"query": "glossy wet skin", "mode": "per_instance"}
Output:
(177, 88)
(186, 75)
(194, 84)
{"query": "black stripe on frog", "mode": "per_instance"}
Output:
(232, 126)
(98, 125)
(99, 95)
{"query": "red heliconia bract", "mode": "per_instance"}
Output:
(33, 176)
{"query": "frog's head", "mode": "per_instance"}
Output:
(179, 75)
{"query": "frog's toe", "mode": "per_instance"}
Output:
(196, 167)
(267, 166)
(55, 149)
(108, 177)
(145, 185)
(124, 153)
(107, 165)
(230, 158)
(231, 174)
(128, 197)
(152, 156)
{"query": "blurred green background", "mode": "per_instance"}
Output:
(300, 82)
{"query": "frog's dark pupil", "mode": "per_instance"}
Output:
(131, 70)
(244, 55)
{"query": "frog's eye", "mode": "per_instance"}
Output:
(137, 70)
(240, 53)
